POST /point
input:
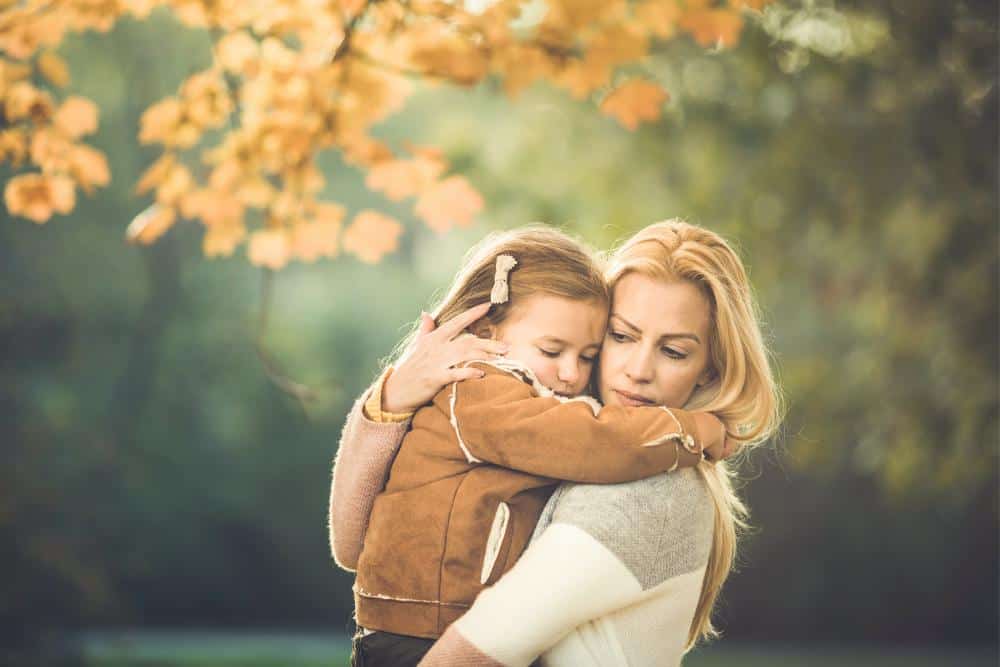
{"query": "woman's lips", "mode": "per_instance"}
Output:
(632, 400)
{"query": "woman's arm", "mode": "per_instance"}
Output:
(607, 548)
(372, 433)
(364, 456)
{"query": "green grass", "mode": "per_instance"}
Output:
(173, 649)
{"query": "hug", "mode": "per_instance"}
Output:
(542, 474)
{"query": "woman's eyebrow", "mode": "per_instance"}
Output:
(663, 337)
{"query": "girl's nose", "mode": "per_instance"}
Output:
(569, 372)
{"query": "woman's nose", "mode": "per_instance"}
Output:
(639, 367)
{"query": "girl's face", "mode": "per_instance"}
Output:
(656, 349)
(557, 338)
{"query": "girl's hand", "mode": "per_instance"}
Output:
(428, 365)
(723, 445)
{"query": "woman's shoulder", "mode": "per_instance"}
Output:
(659, 527)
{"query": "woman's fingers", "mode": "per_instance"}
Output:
(427, 324)
(457, 325)
(465, 373)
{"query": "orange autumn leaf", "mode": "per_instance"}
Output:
(151, 223)
(371, 236)
(635, 101)
(37, 196)
(76, 117)
(659, 16)
(448, 203)
(713, 27)
(269, 248)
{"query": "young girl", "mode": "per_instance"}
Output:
(472, 476)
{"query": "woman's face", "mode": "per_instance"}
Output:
(656, 349)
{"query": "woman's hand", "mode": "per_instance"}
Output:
(429, 363)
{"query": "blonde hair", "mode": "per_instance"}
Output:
(742, 392)
(549, 262)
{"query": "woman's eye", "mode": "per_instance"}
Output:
(672, 353)
(549, 353)
(617, 336)
(588, 360)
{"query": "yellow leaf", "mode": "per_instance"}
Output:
(23, 100)
(450, 202)
(634, 102)
(156, 173)
(150, 224)
(220, 240)
(371, 236)
(160, 122)
(13, 146)
(89, 168)
(53, 68)
(237, 51)
(37, 196)
(269, 248)
(51, 151)
(213, 207)
(76, 117)
(177, 183)
(399, 179)
(312, 240)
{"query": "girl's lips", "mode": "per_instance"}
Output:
(632, 400)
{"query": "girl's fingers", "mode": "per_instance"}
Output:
(456, 325)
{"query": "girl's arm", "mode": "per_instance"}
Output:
(587, 564)
(499, 419)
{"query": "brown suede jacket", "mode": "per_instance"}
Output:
(470, 481)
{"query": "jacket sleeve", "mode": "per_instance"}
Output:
(499, 419)
(567, 576)
(360, 470)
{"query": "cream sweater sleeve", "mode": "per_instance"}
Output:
(360, 470)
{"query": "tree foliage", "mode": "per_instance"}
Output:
(291, 79)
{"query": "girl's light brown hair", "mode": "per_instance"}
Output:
(549, 262)
(743, 391)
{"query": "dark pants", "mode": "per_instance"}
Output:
(384, 649)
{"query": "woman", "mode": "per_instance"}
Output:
(617, 574)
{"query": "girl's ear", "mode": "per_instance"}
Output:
(483, 329)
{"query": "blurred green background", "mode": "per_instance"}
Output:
(155, 478)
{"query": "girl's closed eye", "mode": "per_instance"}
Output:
(673, 353)
(551, 354)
